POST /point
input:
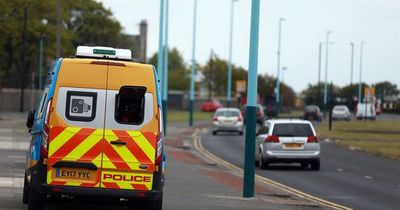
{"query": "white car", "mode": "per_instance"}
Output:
(341, 112)
(287, 141)
(227, 120)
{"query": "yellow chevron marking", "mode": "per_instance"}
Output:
(49, 176)
(124, 185)
(107, 163)
(97, 160)
(123, 151)
(85, 145)
(73, 183)
(143, 143)
(60, 140)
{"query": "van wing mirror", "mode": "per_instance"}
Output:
(30, 119)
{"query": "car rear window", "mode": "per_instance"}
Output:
(292, 129)
(227, 113)
(311, 108)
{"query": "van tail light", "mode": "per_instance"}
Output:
(272, 139)
(312, 139)
(160, 138)
(215, 119)
(46, 131)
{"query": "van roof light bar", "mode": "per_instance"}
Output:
(103, 52)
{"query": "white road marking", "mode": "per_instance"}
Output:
(339, 169)
(11, 182)
(327, 140)
(12, 145)
(16, 157)
(6, 138)
(368, 177)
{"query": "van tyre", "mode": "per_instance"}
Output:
(315, 165)
(214, 133)
(36, 200)
(155, 204)
(25, 193)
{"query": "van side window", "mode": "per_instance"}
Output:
(130, 105)
(42, 102)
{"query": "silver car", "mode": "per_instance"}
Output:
(341, 112)
(227, 120)
(287, 141)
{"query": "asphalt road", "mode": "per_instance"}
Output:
(350, 178)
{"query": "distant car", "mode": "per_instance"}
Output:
(260, 115)
(366, 111)
(211, 106)
(227, 120)
(287, 141)
(312, 112)
(341, 112)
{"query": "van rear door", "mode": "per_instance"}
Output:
(131, 127)
(77, 124)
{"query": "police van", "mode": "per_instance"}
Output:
(97, 132)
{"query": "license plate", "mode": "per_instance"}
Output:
(68, 173)
(293, 146)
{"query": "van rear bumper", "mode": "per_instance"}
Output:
(101, 192)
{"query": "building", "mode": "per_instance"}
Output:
(139, 48)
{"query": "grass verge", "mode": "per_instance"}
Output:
(180, 116)
(376, 137)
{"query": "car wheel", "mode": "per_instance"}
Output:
(25, 192)
(315, 165)
(262, 164)
(214, 133)
(36, 200)
(240, 133)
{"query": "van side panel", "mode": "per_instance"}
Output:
(76, 140)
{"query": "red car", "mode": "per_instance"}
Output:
(211, 106)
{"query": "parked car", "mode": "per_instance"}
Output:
(341, 112)
(366, 111)
(260, 115)
(211, 105)
(227, 120)
(287, 141)
(312, 112)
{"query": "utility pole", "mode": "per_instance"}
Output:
(248, 178)
(193, 68)
(229, 84)
(352, 63)
(361, 63)
(165, 79)
(58, 32)
(277, 88)
(23, 60)
(319, 73)
(326, 73)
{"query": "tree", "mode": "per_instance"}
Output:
(178, 74)
(386, 88)
(314, 94)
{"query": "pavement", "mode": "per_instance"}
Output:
(193, 181)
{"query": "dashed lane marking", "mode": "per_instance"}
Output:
(16, 182)
(368, 177)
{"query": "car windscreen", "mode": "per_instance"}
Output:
(339, 109)
(292, 129)
(227, 113)
(311, 108)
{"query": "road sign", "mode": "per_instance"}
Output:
(240, 86)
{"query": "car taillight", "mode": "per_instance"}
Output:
(159, 138)
(273, 139)
(312, 139)
(46, 131)
(258, 114)
(215, 119)
(240, 119)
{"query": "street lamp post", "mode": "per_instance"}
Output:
(193, 68)
(41, 43)
(279, 67)
(165, 73)
(160, 43)
(229, 84)
(361, 63)
(326, 73)
(248, 178)
(352, 63)
(283, 80)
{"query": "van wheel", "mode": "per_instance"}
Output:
(214, 133)
(155, 204)
(240, 133)
(315, 165)
(25, 194)
(36, 200)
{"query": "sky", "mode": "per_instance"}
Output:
(377, 22)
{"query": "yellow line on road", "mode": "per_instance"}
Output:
(199, 147)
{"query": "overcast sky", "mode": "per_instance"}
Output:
(375, 21)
